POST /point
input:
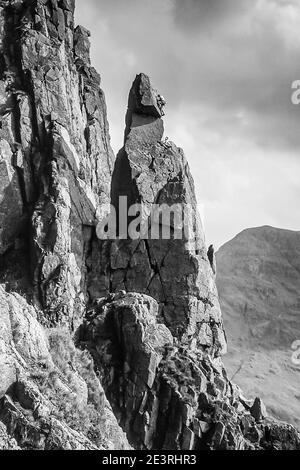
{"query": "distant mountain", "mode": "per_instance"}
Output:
(259, 286)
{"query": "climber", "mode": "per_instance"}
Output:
(212, 259)
(161, 103)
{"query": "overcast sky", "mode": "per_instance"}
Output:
(225, 68)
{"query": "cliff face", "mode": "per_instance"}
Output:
(56, 159)
(145, 309)
(55, 172)
(258, 282)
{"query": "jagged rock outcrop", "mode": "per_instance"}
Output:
(258, 282)
(6, 442)
(27, 416)
(167, 396)
(143, 312)
(151, 171)
(56, 160)
(44, 397)
(160, 360)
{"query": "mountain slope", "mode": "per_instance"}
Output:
(259, 287)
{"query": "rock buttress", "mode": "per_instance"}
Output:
(50, 396)
(167, 396)
(55, 161)
(55, 171)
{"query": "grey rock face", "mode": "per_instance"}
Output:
(160, 360)
(27, 415)
(55, 172)
(32, 374)
(258, 281)
(174, 272)
(56, 160)
(148, 309)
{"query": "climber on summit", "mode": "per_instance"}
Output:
(212, 258)
(161, 102)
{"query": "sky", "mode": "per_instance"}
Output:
(225, 68)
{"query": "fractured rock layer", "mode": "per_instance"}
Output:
(55, 172)
(56, 160)
(158, 347)
(167, 396)
(258, 282)
(37, 377)
(147, 310)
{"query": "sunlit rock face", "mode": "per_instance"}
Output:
(55, 172)
(175, 272)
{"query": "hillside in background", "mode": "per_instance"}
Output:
(259, 286)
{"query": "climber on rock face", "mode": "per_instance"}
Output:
(212, 259)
